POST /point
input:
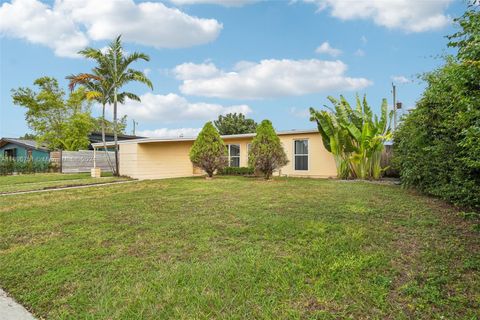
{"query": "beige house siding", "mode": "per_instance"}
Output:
(128, 159)
(243, 142)
(158, 160)
(169, 159)
(320, 162)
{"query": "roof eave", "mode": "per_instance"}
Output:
(225, 137)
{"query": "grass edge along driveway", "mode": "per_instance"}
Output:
(46, 181)
(239, 248)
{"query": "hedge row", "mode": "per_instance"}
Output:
(233, 171)
(9, 166)
(437, 146)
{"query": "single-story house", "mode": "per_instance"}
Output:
(157, 158)
(23, 149)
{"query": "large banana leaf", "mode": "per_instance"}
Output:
(354, 136)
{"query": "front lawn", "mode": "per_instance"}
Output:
(40, 181)
(239, 248)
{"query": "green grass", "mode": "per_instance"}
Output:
(41, 181)
(239, 248)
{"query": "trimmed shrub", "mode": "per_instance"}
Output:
(266, 152)
(234, 171)
(209, 151)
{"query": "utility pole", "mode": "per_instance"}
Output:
(135, 123)
(394, 92)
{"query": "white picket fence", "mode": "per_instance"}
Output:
(82, 161)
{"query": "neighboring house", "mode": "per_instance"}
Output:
(154, 158)
(28, 149)
(23, 149)
(96, 137)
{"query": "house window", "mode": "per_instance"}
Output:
(234, 155)
(301, 154)
(10, 153)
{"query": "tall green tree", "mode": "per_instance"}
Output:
(437, 145)
(266, 152)
(467, 38)
(234, 123)
(107, 125)
(111, 73)
(209, 151)
(28, 136)
(58, 122)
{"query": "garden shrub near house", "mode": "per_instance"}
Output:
(437, 145)
(266, 152)
(209, 151)
(234, 171)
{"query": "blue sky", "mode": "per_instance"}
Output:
(269, 59)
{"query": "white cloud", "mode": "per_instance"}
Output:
(408, 15)
(173, 108)
(37, 23)
(147, 71)
(69, 25)
(225, 3)
(400, 79)
(267, 79)
(147, 23)
(328, 49)
(359, 53)
(170, 133)
(190, 70)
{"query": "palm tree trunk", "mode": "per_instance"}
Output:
(104, 141)
(115, 137)
(115, 98)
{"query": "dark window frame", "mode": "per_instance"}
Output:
(299, 166)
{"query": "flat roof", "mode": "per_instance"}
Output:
(180, 139)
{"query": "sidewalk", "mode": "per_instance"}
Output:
(10, 310)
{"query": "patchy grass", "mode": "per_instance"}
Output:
(40, 181)
(239, 248)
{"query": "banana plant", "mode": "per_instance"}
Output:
(355, 137)
(383, 134)
(335, 139)
(369, 134)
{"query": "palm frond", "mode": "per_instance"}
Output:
(81, 78)
(129, 95)
(93, 95)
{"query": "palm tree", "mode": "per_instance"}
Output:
(98, 89)
(110, 74)
(119, 73)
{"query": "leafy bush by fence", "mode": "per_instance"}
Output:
(233, 171)
(437, 146)
(23, 166)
